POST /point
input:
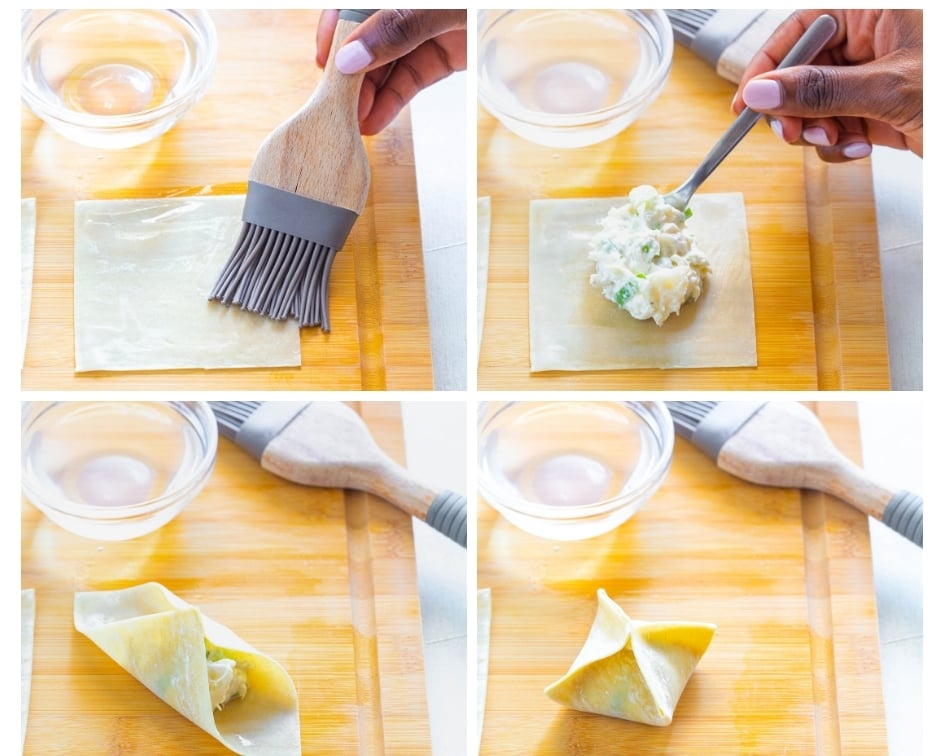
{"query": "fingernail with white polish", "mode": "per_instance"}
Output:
(353, 58)
(762, 94)
(856, 150)
(777, 128)
(816, 135)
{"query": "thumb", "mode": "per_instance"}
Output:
(391, 34)
(866, 91)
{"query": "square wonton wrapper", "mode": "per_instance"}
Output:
(572, 326)
(143, 271)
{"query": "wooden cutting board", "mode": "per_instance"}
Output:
(786, 576)
(265, 71)
(812, 233)
(322, 580)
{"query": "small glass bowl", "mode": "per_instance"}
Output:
(570, 78)
(115, 78)
(569, 470)
(111, 471)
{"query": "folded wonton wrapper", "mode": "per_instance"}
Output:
(163, 641)
(632, 670)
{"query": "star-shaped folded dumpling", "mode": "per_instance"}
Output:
(632, 670)
(243, 698)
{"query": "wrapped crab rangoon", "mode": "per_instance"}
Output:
(241, 697)
(632, 670)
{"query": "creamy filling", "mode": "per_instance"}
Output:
(646, 262)
(227, 681)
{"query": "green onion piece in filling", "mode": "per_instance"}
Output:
(624, 294)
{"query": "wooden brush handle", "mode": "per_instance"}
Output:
(444, 511)
(784, 444)
(318, 152)
(340, 88)
(328, 445)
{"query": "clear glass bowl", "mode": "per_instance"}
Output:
(569, 470)
(570, 78)
(115, 470)
(115, 78)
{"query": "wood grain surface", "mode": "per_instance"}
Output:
(321, 580)
(812, 232)
(265, 71)
(786, 575)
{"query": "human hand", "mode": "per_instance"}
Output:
(403, 51)
(864, 89)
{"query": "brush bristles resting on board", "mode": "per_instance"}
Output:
(307, 187)
(784, 444)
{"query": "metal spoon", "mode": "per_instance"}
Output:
(804, 51)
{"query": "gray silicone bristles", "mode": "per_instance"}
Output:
(231, 416)
(252, 425)
(708, 33)
(281, 263)
(708, 425)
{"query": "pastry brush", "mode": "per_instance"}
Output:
(784, 444)
(725, 39)
(307, 186)
(327, 444)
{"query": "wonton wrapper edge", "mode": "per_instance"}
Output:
(483, 232)
(27, 255)
(27, 628)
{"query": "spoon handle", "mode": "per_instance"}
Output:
(804, 51)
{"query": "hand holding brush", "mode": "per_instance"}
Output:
(307, 187)
(400, 52)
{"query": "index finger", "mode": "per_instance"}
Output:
(327, 22)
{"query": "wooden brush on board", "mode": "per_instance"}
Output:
(784, 444)
(327, 444)
(307, 187)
